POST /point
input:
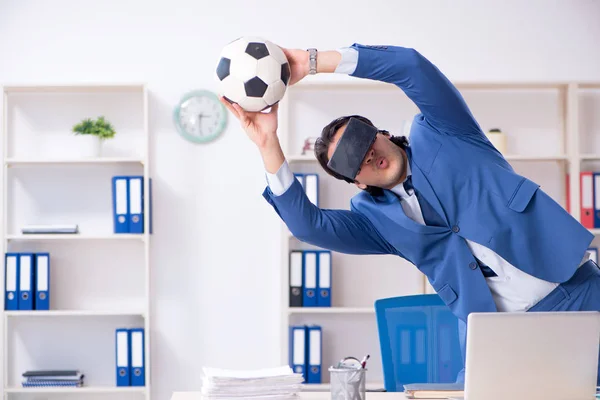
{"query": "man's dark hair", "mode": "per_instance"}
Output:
(327, 134)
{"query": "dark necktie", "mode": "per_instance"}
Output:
(431, 217)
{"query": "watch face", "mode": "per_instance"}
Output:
(200, 117)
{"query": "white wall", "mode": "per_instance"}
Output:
(211, 223)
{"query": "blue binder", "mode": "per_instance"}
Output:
(138, 370)
(26, 282)
(596, 199)
(300, 178)
(150, 204)
(42, 281)
(324, 285)
(314, 354)
(136, 204)
(123, 356)
(11, 281)
(297, 349)
(311, 187)
(310, 272)
(120, 200)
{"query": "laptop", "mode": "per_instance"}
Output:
(532, 355)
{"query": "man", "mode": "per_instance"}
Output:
(487, 238)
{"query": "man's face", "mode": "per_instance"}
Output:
(384, 165)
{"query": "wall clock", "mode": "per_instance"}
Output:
(200, 116)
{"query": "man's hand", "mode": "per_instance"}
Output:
(260, 127)
(298, 60)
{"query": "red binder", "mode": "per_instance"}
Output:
(587, 199)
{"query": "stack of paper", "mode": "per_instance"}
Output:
(279, 383)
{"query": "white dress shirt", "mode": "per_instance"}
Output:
(512, 289)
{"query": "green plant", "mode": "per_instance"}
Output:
(100, 127)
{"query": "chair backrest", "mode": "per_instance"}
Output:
(418, 336)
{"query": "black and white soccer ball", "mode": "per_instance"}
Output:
(253, 72)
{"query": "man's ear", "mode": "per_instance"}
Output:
(360, 185)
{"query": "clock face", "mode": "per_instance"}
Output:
(200, 117)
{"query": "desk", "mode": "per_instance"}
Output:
(305, 396)
(310, 396)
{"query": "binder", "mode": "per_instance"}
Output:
(26, 275)
(138, 375)
(314, 354)
(300, 178)
(150, 228)
(596, 176)
(120, 198)
(136, 204)
(42, 281)
(587, 199)
(593, 254)
(122, 357)
(11, 281)
(296, 278)
(311, 182)
(309, 278)
(297, 353)
(324, 298)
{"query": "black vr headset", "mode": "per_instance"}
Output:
(352, 148)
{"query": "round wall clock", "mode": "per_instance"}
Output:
(200, 116)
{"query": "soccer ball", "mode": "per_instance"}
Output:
(253, 73)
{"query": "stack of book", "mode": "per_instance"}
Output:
(279, 383)
(43, 378)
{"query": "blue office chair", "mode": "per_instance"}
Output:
(418, 336)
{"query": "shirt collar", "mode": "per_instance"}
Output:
(399, 189)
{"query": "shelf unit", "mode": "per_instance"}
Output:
(82, 390)
(46, 180)
(349, 326)
(60, 161)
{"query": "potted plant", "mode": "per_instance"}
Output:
(93, 133)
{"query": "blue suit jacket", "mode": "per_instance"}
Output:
(468, 182)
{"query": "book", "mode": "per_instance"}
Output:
(433, 390)
(38, 229)
(44, 378)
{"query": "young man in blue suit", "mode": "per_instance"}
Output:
(488, 239)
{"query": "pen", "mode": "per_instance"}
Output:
(363, 363)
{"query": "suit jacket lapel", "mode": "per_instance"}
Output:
(424, 188)
(391, 207)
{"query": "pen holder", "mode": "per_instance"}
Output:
(347, 383)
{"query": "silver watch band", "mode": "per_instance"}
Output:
(312, 61)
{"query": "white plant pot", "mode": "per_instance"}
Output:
(88, 146)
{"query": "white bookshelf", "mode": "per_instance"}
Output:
(545, 123)
(82, 390)
(73, 313)
(99, 280)
(64, 236)
(14, 162)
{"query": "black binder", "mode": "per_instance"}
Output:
(295, 278)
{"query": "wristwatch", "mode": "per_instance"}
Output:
(312, 61)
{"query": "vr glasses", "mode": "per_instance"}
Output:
(352, 148)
